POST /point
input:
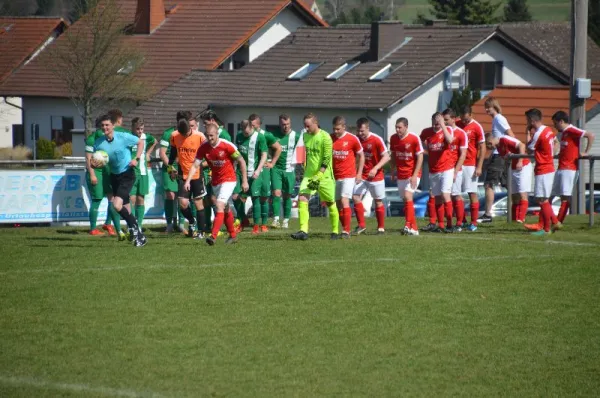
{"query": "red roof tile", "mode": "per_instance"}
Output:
(20, 38)
(516, 100)
(201, 34)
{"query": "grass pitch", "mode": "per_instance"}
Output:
(497, 312)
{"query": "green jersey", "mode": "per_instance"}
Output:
(270, 138)
(251, 148)
(224, 134)
(318, 153)
(91, 139)
(165, 141)
(288, 142)
(142, 166)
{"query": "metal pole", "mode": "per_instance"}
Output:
(579, 24)
(592, 196)
(509, 191)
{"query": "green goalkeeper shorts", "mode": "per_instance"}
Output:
(103, 187)
(283, 181)
(326, 189)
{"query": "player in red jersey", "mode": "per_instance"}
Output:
(431, 211)
(566, 176)
(473, 165)
(459, 151)
(542, 146)
(376, 156)
(442, 171)
(407, 158)
(348, 163)
(520, 171)
(220, 155)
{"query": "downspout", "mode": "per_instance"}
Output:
(11, 104)
(381, 126)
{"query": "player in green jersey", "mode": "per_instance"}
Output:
(141, 185)
(253, 147)
(318, 177)
(98, 183)
(283, 173)
(272, 158)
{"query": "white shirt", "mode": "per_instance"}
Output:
(499, 127)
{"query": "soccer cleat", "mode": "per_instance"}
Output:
(465, 224)
(429, 228)
(359, 230)
(437, 230)
(456, 229)
(131, 234)
(255, 230)
(180, 228)
(220, 233)
(404, 231)
(345, 235)
(285, 224)
(300, 235)
(263, 228)
(275, 223)
(123, 236)
(110, 229)
(238, 228)
(541, 232)
(471, 228)
(485, 219)
(449, 230)
(412, 232)
(96, 232)
(558, 226)
(199, 235)
(334, 236)
(532, 227)
(140, 240)
(520, 221)
(380, 231)
(192, 232)
(231, 241)
(210, 240)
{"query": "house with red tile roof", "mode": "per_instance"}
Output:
(176, 37)
(21, 40)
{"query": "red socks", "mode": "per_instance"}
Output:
(474, 212)
(523, 210)
(409, 214)
(459, 209)
(546, 211)
(359, 209)
(218, 221)
(229, 221)
(380, 215)
(431, 209)
(440, 214)
(346, 218)
(449, 210)
(564, 210)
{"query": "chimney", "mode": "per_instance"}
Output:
(148, 16)
(385, 37)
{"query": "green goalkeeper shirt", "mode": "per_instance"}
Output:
(318, 153)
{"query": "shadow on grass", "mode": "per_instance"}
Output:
(68, 231)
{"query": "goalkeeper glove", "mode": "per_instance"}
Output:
(172, 170)
(314, 181)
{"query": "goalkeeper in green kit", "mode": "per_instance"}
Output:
(318, 177)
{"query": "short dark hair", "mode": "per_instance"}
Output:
(115, 115)
(561, 116)
(183, 126)
(534, 114)
(363, 121)
(284, 116)
(339, 120)
(466, 110)
(435, 115)
(245, 124)
(104, 118)
(402, 120)
(187, 115)
(253, 117)
(209, 115)
(449, 112)
(137, 121)
(311, 115)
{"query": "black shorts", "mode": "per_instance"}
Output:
(197, 189)
(122, 184)
(495, 171)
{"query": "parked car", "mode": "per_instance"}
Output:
(395, 203)
(499, 207)
(534, 207)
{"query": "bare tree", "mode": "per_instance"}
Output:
(95, 62)
(335, 8)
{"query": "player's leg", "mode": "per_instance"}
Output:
(303, 214)
(447, 180)
(238, 203)
(221, 195)
(457, 201)
(435, 180)
(343, 193)
(96, 195)
(264, 199)
(289, 184)
(277, 177)
(360, 190)
(183, 199)
(402, 184)
(208, 204)
(409, 208)
(565, 182)
(327, 194)
(121, 186)
(377, 190)
(198, 191)
(170, 188)
(543, 190)
(256, 185)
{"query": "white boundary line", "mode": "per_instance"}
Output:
(469, 236)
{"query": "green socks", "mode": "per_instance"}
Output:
(276, 206)
(116, 217)
(240, 206)
(265, 211)
(287, 208)
(109, 216)
(334, 218)
(140, 210)
(303, 215)
(256, 210)
(93, 213)
(169, 203)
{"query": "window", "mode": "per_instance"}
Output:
(342, 70)
(61, 129)
(483, 75)
(127, 69)
(386, 71)
(304, 71)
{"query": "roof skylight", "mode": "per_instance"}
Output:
(342, 70)
(386, 71)
(304, 71)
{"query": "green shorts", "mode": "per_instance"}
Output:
(168, 184)
(140, 186)
(103, 187)
(265, 188)
(255, 187)
(283, 180)
(326, 189)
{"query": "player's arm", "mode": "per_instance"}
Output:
(197, 165)
(448, 136)
(418, 166)
(385, 157)
(236, 156)
(522, 151)
(590, 141)
(463, 146)
(261, 164)
(274, 144)
(152, 143)
(326, 154)
(89, 150)
(164, 145)
(139, 149)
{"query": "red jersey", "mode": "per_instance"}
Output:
(475, 136)
(569, 148)
(425, 134)
(441, 157)
(374, 149)
(345, 149)
(220, 160)
(405, 150)
(510, 145)
(459, 142)
(542, 144)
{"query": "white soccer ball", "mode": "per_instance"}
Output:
(99, 159)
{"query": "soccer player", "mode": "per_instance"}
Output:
(566, 176)
(442, 171)
(376, 156)
(220, 156)
(318, 177)
(494, 166)
(346, 169)
(98, 182)
(170, 186)
(542, 145)
(184, 146)
(459, 150)
(473, 165)
(141, 185)
(253, 147)
(431, 209)
(520, 171)
(407, 158)
(274, 145)
(122, 175)
(283, 173)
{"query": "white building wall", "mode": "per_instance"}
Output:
(273, 32)
(9, 115)
(592, 125)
